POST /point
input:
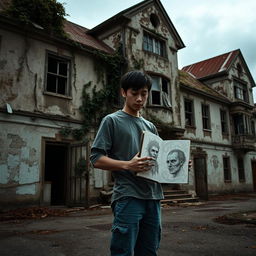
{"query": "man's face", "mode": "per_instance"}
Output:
(174, 163)
(153, 152)
(135, 100)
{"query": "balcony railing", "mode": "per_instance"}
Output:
(244, 142)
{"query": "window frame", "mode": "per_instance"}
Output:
(154, 45)
(161, 91)
(240, 91)
(241, 170)
(60, 60)
(224, 121)
(191, 113)
(206, 119)
(226, 169)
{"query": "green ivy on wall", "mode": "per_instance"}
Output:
(101, 102)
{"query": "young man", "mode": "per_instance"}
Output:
(136, 227)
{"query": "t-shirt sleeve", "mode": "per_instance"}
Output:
(103, 140)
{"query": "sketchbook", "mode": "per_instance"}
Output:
(171, 158)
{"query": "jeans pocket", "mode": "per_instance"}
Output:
(119, 242)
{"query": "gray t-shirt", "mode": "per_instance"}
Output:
(118, 137)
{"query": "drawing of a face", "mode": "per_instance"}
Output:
(175, 160)
(153, 152)
(153, 149)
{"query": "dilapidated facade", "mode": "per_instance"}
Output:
(41, 83)
(222, 132)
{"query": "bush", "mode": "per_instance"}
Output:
(49, 14)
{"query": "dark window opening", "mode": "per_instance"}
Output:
(224, 123)
(156, 98)
(241, 124)
(154, 20)
(189, 112)
(57, 75)
(206, 117)
(241, 174)
(226, 169)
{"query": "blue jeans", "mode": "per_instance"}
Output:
(136, 227)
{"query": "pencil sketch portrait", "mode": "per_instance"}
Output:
(175, 161)
(153, 151)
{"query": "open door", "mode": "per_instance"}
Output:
(55, 173)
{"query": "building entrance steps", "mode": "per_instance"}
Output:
(176, 196)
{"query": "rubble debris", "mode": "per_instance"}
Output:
(237, 218)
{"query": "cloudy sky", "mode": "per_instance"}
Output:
(207, 27)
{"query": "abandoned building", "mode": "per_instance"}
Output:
(42, 82)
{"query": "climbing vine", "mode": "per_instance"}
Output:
(101, 102)
(49, 14)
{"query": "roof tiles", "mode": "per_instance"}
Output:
(78, 34)
(211, 66)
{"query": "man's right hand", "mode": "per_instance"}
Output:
(140, 164)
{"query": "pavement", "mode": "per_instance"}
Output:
(224, 225)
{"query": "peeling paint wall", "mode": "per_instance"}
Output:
(132, 35)
(20, 162)
(22, 76)
(21, 157)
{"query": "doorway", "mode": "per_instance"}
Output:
(254, 175)
(201, 177)
(55, 173)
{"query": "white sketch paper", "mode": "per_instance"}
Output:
(171, 158)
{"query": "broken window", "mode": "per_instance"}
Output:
(223, 120)
(189, 112)
(159, 94)
(57, 77)
(206, 117)
(154, 45)
(226, 168)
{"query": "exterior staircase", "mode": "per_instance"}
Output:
(177, 196)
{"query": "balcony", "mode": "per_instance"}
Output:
(244, 142)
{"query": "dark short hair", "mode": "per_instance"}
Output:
(135, 80)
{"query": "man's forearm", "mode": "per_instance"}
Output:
(110, 164)
(137, 164)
